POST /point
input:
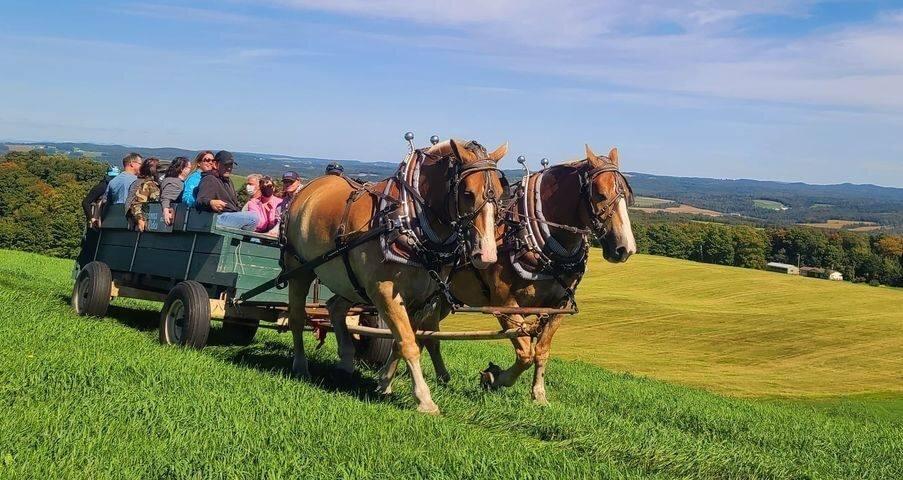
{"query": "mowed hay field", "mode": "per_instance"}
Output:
(100, 398)
(735, 331)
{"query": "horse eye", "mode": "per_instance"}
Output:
(468, 194)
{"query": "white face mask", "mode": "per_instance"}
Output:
(250, 189)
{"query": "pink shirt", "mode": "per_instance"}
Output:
(267, 213)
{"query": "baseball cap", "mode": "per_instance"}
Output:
(112, 171)
(224, 157)
(293, 176)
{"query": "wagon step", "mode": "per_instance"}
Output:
(423, 334)
(516, 310)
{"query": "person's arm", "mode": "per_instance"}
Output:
(207, 191)
(169, 192)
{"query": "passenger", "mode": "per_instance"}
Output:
(202, 163)
(96, 196)
(172, 185)
(144, 190)
(266, 205)
(216, 194)
(118, 189)
(291, 182)
(252, 186)
(335, 168)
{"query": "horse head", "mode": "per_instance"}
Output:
(474, 188)
(609, 194)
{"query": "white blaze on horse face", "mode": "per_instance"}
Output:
(625, 230)
(487, 254)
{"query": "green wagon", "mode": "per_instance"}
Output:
(198, 271)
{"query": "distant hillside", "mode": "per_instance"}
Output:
(267, 164)
(796, 202)
(769, 201)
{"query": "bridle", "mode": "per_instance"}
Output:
(600, 216)
(433, 249)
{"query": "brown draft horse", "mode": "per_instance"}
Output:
(587, 196)
(319, 211)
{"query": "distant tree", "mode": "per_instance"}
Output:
(749, 247)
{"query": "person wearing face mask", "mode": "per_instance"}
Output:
(251, 189)
(266, 205)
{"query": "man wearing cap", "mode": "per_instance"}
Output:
(291, 182)
(216, 194)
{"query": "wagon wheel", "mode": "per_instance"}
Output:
(239, 331)
(185, 318)
(374, 351)
(91, 292)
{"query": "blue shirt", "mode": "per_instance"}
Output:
(190, 190)
(118, 189)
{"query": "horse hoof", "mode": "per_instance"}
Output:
(429, 409)
(490, 376)
(443, 379)
(384, 391)
(541, 400)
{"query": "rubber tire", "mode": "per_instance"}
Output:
(91, 292)
(192, 298)
(374, 351)
(234, 334)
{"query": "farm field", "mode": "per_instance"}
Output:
(93, 398)
(680, 209)
(769, 204)
(851, 225)
(649, 202)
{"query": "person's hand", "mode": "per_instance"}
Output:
(95, 223)
(217, 205)
(142, 224)
(168, 216)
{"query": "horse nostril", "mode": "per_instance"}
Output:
(621, 251)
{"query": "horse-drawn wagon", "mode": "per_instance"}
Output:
(198, 271)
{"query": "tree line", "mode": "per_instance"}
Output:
(40, 211)
(876, 258)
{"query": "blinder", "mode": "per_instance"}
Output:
(600, 217)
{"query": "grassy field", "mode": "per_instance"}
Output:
(91, 398)
(735, 331)
(649, 202)
(768, 204)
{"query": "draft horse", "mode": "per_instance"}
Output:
(544, 246)
(439, 209)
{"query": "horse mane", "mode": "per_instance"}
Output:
(445, 148)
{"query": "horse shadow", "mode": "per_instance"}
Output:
(276, 359)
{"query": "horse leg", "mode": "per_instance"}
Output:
(387, 372)
(298, 289)
(391, 307)
(541, 356)
(523, 349)
(432, 347)
(338, 311)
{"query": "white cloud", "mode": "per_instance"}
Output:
(619, 44)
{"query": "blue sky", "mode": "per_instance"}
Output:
(770, 89)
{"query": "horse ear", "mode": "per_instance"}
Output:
(613, 156)
(454, 146)
(589, 152)
(499, 152)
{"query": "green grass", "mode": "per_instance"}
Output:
(768, 204)
(90, 398)
(734, 331)
(649, 202)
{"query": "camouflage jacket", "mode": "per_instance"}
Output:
(147, 191)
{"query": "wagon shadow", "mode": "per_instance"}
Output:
(274, 358)
(136, 318)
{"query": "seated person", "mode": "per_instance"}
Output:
(172, 185)
(118, 189)
(144, 190)
(252, 188)
(266, 205)
(91, 204)
(216, 194)
(202, 163)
